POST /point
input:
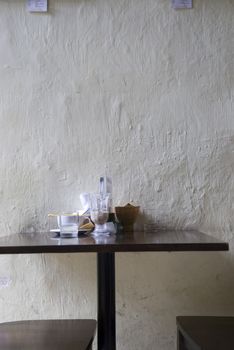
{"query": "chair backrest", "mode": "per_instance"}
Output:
(205, 332)
(48, 335)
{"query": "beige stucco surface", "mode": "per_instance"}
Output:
(144, 93)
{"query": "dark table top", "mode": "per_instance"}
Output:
(29, 243)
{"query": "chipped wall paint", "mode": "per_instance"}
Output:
(140, 91)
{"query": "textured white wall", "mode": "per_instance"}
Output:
(146, 93)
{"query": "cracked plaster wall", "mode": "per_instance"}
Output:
(145, 93)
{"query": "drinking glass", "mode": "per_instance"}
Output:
(99, 212)
(68, 224)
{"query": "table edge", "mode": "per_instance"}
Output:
(167, 247)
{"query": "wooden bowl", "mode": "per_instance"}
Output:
(127, 216)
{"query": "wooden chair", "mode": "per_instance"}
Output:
(205, 333)
(47, 335)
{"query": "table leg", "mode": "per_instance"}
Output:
(106, 301)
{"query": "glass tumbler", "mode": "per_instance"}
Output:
(99, 212)
(68, 224)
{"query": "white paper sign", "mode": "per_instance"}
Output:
(182, 4)
(37, 5)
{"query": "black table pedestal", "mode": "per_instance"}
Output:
(106, 301)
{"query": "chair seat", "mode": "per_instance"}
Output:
(205, 332)
(47, 335)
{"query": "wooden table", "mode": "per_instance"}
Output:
(163, 241)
